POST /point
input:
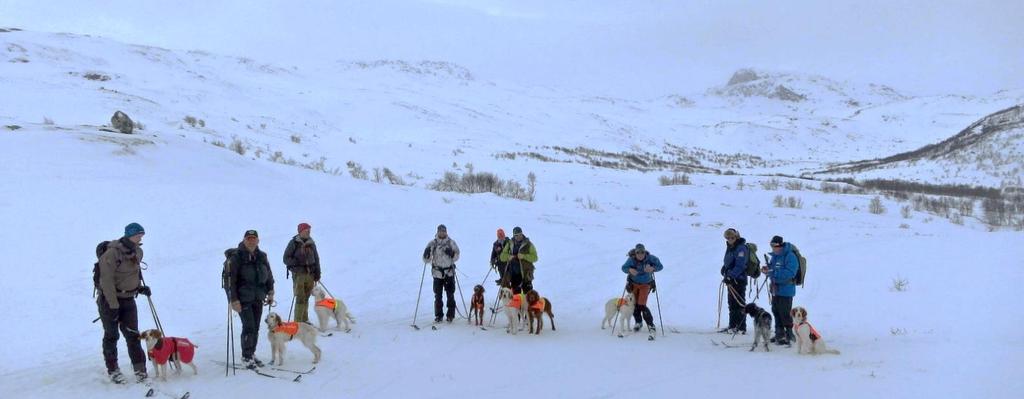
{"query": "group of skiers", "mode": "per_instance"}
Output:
(781, 270)
(249, 283)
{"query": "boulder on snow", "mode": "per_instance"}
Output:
(122, 122)
(743, 76)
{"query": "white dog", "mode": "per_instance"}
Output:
(807, 336)
(331, 308)
(515, 309)
(162, 350)
(624, 307)
(279, 333)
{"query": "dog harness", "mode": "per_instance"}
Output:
(291, 328)
(478, 302)
(162, 351)
(814, 333)
(517, 301)
(622, 302)
(329, 303)
(539, 305)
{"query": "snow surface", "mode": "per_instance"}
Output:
(65, 186)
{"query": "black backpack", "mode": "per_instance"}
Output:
(100, 249)
(225, 274)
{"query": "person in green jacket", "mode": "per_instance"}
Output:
(521, 255)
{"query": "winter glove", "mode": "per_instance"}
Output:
(449, 252)
(144, 290)
(648, 269)
(723, 271)
(270, 299)
(728, 280)
(426, 253)
(632, 272)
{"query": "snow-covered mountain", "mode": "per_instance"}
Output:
(228, 144)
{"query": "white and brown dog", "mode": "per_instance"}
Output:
(515, 308)
(806, 336)
(624, 308)
(331, 308)
(162, 350)
(279, 333)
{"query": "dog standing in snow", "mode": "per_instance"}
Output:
(331, 308)
(514, 306)
(476, 305)
(807, 336)
(624, 308)
(536, 307)
(279, 333)
(762, 324)
(162, 349)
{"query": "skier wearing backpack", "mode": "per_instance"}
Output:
(734, 276)
(782, 269)
(303, 262)
(520, 254)
(496, 262)
(119, 282)
(251, 285)
(442, 252)
(641, 267)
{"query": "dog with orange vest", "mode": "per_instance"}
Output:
(806, 336)
(515, 308)
(162, 350)
(331, 308)
(476, 305)
(624, 307)
(536, 307)
(280, 333)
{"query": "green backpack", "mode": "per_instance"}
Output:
(799, 278)
(753, 263)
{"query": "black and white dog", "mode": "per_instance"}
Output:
(762, 324)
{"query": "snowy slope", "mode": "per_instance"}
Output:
(64, 186)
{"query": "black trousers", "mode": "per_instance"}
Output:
(515, 281)
(737, 292)
(448, 285)
(251, 313)
(126, 319)
(644, 312)
(781, 305)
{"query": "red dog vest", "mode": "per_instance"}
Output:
(329, 303)
(814, 333)
(539, 305)
(290, 328)
(169, 346)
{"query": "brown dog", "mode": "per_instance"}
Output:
(537, 305)
(476, 305)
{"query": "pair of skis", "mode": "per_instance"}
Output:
(263, 372)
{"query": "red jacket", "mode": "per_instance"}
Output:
(168, 346)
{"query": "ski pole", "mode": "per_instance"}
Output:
(487, 275)
(618, 308)
(657, 299)
(721, 291)
(418, 294)
(325, 289)
(290, 308)
(227, 343)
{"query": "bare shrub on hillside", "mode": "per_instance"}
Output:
(794, 185)
(96, 76)
(194, 122)
(278, 157)
(794, 202)
(677, 179)
(590, 204)
(770, 184)
(357, 171)
(531, 185)
(876, 206)
(905, 211)
(779, 201)
(296, 138)
(481, 182)
(394, 178)
(956, 219)
(899, 284)
(238, 146)
(47, 120)
(218, 143)
(740, 185)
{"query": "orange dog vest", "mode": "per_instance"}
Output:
(290, 328)
(517, 301)
(814, 333)
(329, 303)
(539, 305)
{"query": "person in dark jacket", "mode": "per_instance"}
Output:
(442, 252)
(251, 287)
(640, 268)
(496, 262)
(781, 269)
(119, 283)
(303, 262)
(520, 254)
(734, 276)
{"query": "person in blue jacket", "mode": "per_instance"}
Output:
(734, 276)
(781, 269)
(641, 267)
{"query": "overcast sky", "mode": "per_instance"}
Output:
(633, 48)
